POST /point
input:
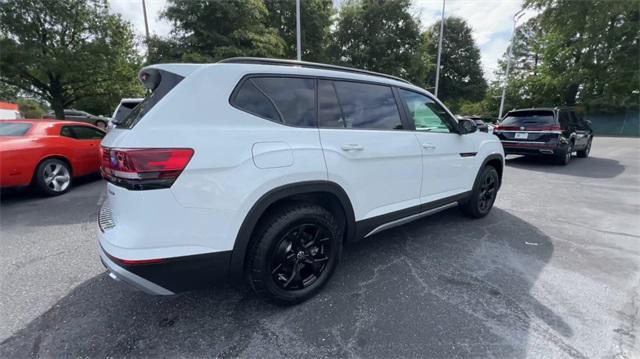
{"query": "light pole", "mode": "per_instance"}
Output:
(298, 44)
(509, 54)
(146, 22)
(439, 49)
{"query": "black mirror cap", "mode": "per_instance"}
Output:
(466, 126)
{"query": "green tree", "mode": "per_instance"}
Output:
(379, 36)
(211, 30)
(30, 108)
(461, 76)
(590, 50)
(64, 51)
(315, 20)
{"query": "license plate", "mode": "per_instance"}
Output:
(521, 135)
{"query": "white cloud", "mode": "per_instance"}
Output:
(491, 21)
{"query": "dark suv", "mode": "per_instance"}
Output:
(555, 132)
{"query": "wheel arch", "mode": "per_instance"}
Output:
(497, 161)
(328, 194)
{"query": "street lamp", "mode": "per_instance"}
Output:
(517, 16)
(439, 49)
(298, 40)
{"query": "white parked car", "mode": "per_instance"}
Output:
(260, 170)
(125, 106)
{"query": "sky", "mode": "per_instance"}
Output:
(491, 21)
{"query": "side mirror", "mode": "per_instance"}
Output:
(466, 126)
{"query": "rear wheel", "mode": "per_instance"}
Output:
(294, 253)
(585, 153)
(483, 195)
(52, 177)
(564, 156)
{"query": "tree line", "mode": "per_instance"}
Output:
(76, 53)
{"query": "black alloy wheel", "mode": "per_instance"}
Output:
(485, 191)
(488, 191)
(301, 256)
(294, 252)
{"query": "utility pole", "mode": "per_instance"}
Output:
(146, 24)
(509, 54)
(440, 49)
(298, 40)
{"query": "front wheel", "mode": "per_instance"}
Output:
(52, 177)
(483, 195)
(294, 253)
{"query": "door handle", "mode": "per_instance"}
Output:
(428, 146)
(352, 147)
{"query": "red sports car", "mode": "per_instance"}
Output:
(47, 153)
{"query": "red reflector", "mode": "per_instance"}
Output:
(131, 262)
(144, 168)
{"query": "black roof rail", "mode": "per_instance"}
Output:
(313, 65)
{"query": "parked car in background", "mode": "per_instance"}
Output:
(125, 106)
(554, 132)
(80, 116)
(47, 154)
(265, 175)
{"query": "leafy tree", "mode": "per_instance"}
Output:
(461, 75)
(30, 108)
(8, 93)
(590, 50)
(379, 36)
(64, 51)
(211, 30)
(315, 20)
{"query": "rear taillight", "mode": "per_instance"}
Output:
(550, 128)
(144, 168)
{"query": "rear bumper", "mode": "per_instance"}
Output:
(170, 275)
(530, 148)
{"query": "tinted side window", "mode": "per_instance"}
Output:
(426, 113)
(66, 131)
(286, 100)
(87, 133)
(329, 111)
(294, 98)
(360, 105)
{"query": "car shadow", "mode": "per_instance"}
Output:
(444, 286)
(591, 167)
(26, 207)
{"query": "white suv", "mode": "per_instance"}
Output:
(260, 170)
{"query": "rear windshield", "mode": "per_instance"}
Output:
(123, 110)
(167, 82)
(14, 129)
(524, 118)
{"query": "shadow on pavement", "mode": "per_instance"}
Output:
(445, 286)
(25, 207)
(591, 167)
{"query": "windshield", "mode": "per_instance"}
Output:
(14, 129)
(529, 118)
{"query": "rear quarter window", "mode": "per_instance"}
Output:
(286, 100)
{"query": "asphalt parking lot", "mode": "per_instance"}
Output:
(553, 271)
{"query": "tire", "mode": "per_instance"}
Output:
(52, 177)
(585, 153)
(101, 125)
(483, 195)
(294, 253)
(564, 156)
